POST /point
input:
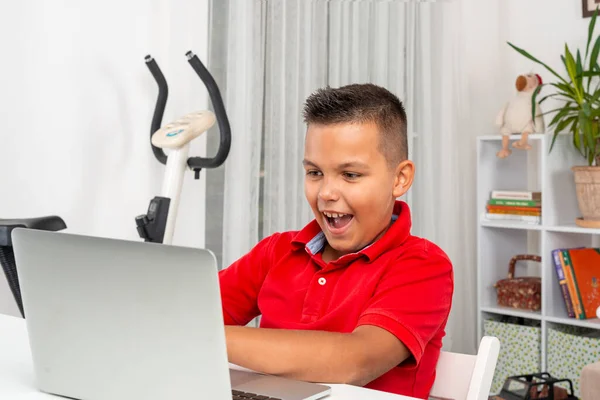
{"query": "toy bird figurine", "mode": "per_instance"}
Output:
(515, 116)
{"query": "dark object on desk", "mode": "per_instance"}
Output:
(522, 293)
(7, 257)
(238, 395)
(535, 386)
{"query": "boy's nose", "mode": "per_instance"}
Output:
(328, 192)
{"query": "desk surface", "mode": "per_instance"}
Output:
(17, 379)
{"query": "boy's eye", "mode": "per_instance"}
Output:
(313, 172)
(351, 175)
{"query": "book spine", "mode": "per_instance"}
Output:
(563, 283)
(515, 211)
(512, 217)
(514, 203)
(513, 195)
(573, 289)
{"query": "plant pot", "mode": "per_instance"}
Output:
(587, 186)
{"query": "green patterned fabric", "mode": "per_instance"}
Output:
(520, 350)
(569, 350)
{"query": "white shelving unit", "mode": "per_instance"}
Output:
(536, 170)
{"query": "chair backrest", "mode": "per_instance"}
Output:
(466, 377)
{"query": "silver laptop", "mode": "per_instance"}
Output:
(113, 320)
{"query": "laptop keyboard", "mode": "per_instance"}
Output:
(238, 395)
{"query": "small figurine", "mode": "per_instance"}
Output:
(515, 116)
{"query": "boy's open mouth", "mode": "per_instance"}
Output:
(337, 221)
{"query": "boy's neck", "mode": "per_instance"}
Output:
(329, 254)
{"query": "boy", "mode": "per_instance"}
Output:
(353, 297)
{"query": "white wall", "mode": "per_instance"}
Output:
(76, 102)
(539, 26)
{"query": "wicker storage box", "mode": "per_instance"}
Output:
(520, 350)
(570, 349)
(524, 293)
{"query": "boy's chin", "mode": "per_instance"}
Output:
(342, 248)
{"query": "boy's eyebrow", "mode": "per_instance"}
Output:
(353, 164)
(346, 165)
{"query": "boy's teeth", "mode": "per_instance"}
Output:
(334, 215)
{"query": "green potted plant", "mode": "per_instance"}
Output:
(579, 116)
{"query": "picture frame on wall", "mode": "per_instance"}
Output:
(588, 7)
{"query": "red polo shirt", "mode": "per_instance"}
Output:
(401, 283)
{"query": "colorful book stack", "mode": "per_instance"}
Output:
(523, 206)
(578, 272)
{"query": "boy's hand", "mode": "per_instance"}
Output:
(355, 358)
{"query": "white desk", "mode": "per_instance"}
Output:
(17, 379)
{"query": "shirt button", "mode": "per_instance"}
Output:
(322, 281)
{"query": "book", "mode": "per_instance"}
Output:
(572, 284)
(514, 210)
(585, 267)
(515, 203)
(516, 195)
(530, 219)
(562, 281)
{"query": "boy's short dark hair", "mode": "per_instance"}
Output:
(359, 103)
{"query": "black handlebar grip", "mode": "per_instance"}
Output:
(220, 113)
(161, 102)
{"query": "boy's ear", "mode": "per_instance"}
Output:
(403, 179)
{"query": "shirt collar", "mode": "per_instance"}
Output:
(312, 238)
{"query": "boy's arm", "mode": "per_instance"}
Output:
(240, 283)
(408, 308)
(354, 358)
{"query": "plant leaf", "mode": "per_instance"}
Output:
(572, 70)
(596, 137)
(533, 103)
(559, 129)
(561, 108)
(594, 58)
(587, 110)
(591, 31)
(576, 137)
(590, 73)
(549, 96)
(532, 58)
(566, 88)
(553, 140)
(563, 123)
(586, 129)
(560, 116)
(579, 72)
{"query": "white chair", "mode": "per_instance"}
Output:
(466, 377)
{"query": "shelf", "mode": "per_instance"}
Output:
(498, 137)
(585, 323)
(498, 240)
(572, 228)
(513, 312)
(564, 228)
(507, 224)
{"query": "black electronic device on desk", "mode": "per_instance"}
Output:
(535, 386)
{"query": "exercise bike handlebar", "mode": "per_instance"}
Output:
(194, 163)
(159, 110)
(220, 113)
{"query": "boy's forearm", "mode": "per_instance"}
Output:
(315, 356)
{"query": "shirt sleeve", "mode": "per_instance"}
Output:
(240, 283)
(413, 298)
